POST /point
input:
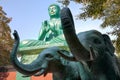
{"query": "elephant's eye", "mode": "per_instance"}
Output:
(48, 56)
(97, 41)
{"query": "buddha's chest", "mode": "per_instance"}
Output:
(54, 23)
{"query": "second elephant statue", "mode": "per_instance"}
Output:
(50, 61)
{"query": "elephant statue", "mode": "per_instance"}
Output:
(91, 47)
(50, 61)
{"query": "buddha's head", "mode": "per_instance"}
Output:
(54, 11)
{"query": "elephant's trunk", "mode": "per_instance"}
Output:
(27, 69)
(73, 42)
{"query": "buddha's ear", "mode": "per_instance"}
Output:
(108, 43)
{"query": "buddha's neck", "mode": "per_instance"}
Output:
(54, 18)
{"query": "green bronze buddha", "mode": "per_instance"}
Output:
(50, 34)
(52, 28)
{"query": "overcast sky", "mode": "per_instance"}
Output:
(27, 16)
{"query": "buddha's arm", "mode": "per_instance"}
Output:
(41, 35)
(43, 31)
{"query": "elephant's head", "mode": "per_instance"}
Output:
(47, 61)
(86, 45)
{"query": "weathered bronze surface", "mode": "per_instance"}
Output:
(91, 47)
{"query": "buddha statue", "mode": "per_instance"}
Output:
(52, 28)
(50, 34)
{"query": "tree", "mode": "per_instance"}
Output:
(106, 10)
(6, 41)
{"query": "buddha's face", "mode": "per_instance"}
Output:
(53, 10)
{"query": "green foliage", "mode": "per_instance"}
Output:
(107, 10)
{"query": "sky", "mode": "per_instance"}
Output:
(28, 15)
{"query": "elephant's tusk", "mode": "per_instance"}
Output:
(45, 74)
(40, 72)
(92, 53)
(71, 58)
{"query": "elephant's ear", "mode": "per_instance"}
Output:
(109, 45)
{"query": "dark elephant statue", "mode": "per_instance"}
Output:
(91, 47)
(50, 61)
